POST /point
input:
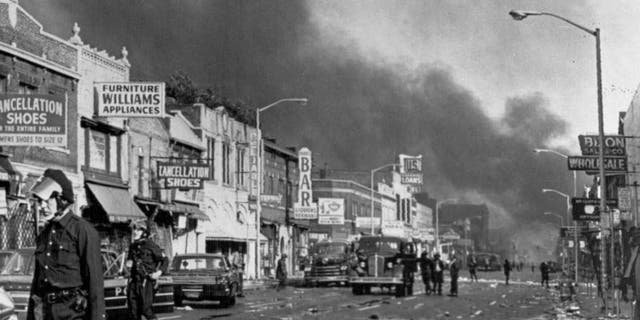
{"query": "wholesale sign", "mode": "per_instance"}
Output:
(130, 99)
(183, 175)
(33, 120)
(592, 163)
(330, 211)
(305, 208)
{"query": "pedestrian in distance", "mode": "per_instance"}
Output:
(507, 270)
(437, 275)
(281, 271)
(237, 262)
(454, 269)
(67, 281)
(473, 266)
(426, 266)
(533, 267)
(147, 262)
(544, 272)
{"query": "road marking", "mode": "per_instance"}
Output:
(369, 307)
(418, 305)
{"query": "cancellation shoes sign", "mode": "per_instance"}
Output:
(33, 120)
(587, 209)
(305, 208)
(183, 175)
(331, 211)
(592, 163)
(130, 99)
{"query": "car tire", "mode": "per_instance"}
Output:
(178, 300)
(356, 289)
(410, 289)
(401, 290)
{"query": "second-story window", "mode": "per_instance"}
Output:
(140, 175)
(3, 84)
(26, 88)
(98, 150)
(240, 169)
(211, 154)
(226, 172)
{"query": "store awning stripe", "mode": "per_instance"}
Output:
(190, 210)
(116, 202)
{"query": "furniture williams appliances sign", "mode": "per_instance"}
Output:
(183, 175)
(33, 120)
(130, 99)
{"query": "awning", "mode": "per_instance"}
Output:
(273, 215)
(224, 229)
(116, 202)
(191, 210)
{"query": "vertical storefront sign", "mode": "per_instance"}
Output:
(305, 208)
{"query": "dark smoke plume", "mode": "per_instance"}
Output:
(360, 115)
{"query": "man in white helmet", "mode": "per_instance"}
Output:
(68, 281)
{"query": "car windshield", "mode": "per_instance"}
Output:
(373, 245)
(20, 263)
(329, 248)
(198, 263)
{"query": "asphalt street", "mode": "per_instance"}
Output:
(489, 298)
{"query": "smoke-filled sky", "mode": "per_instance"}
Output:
(459, 82)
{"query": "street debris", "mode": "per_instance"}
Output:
(492, 302)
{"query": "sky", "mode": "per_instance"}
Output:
(459, 82)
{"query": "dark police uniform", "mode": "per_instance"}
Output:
(68, 279)
(147, 258)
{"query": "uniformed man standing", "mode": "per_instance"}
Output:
(148, 262)
(68, 281)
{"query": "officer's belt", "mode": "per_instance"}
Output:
(62, 295)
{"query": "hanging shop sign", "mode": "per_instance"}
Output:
(330, 211)
(624, 198)
(587, 209)
(305, 208)
(614, 145)
(183, 175)
(592, 163)
(33, 120)
(130, 99)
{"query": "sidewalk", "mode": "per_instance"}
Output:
(270, 283)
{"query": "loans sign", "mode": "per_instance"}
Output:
(305, 208)
(33, 120)
(613, 145)
(592, 163)
(411, 172)
(130, 99)
(183, 175)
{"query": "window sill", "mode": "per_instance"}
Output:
(58, 149)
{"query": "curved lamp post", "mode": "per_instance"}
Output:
(302, 101)
(372, 173)
(521, 15)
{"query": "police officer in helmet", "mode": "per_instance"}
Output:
(148, 262)
(68, 281)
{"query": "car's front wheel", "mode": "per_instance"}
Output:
(178, 300)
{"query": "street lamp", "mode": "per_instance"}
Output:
(302, 101)
(438, 221)
(372, 173)
(520, 15)
(568, 197)
(575, 185)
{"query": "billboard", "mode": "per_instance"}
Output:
(33, 120)
(411, 172)
(330, 211)
(130, 99)
(305, 208)
(174, 175)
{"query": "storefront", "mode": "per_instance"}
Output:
(110, 208)
(17, 224)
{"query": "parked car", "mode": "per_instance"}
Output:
(385, 262)
(329, 263)
(17, 274)
(204, 276)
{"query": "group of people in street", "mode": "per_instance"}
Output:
(68, 280)
(432, 270)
